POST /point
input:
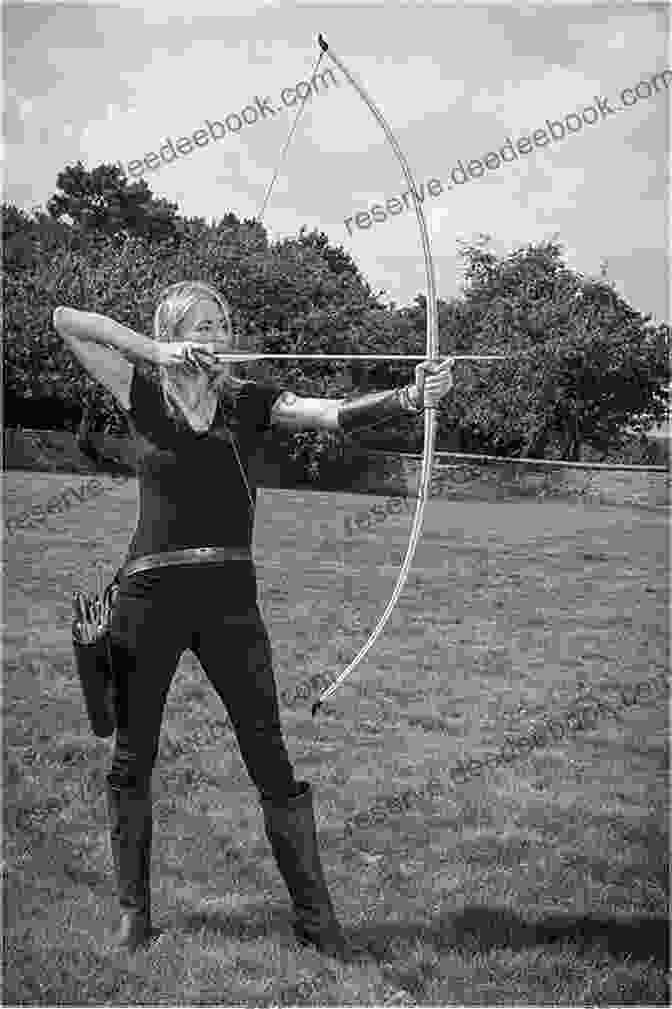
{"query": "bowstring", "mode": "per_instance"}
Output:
(258, 218)
(285, 146)
(245, 480)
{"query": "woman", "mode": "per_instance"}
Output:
(189, 581)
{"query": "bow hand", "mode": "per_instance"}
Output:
(433, 381)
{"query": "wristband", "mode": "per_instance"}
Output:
(374, 408)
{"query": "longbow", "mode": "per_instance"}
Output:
(432, 354)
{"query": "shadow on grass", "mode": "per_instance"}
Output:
(257, 921)
(476, 928)
(487, 928)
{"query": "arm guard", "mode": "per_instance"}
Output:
(374, 408)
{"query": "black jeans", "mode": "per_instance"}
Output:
(213, 610)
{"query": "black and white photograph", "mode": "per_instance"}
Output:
(336, 503)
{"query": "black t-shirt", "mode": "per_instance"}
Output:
(192, 492)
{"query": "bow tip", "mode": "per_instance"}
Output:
(322, 43)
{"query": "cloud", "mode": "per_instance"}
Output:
(159, 11)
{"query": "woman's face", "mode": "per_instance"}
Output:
(206, 323)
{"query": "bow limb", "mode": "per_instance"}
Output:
(432, 353)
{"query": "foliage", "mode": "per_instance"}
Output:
(299, 294)
(314, 457)
(585, 367)
(103, 201)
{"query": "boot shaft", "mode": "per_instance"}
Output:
(130, 822)
(291, 832)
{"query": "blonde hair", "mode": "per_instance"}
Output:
(173, 305)
(176, 300)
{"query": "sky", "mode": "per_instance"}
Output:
(107, 83)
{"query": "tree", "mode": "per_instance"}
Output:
(338, 260)
(584, 364)
(28, 238)
(103, 201)
(282, 298)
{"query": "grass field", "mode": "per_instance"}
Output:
(543, 883)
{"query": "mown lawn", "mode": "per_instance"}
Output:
(541, 883)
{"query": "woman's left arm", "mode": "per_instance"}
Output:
(296, 413)
(432, 382)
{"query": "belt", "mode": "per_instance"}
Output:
(194, 555)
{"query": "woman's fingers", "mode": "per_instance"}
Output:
(176, 355)
(202, 355)
(189, 355)
(434, 380)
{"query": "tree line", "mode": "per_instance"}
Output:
(587, 373)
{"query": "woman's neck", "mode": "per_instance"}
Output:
(194, 397)
(192, 390)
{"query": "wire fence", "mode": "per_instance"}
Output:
(553, 463)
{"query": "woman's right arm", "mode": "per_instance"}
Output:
(105, 348)
(93, 328)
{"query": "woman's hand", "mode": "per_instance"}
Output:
(433, 382)
(188, 354)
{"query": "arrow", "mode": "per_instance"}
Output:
(351, 357)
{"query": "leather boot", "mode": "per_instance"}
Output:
(290, 829)
(130, 818)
